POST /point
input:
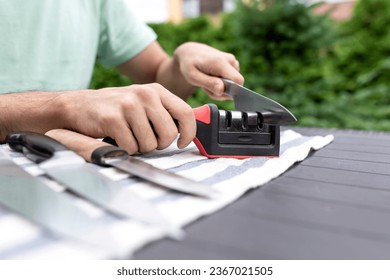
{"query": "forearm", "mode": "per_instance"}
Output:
(32, 111)
(154, 65)
(170, 76)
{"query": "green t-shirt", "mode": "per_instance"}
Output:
(52, 44)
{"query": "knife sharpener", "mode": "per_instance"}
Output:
(234, 134)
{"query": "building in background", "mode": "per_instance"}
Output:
(176, 10)
(194, 8)
(156, 11)
(339, 11)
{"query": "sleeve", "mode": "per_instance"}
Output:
(122, 34)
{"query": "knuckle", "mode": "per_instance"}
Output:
(146, 95)
(192, 71)
(230, 57)
(128, 103)
(140, 93)
(217, 87)
(107, 119)
(188, 112)
(157, 85)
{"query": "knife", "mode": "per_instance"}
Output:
(248, 100)
(70, 169)
(56, 212)
(103, 153)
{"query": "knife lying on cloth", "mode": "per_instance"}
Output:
(70, 169)
(31, 198)
(103, 153)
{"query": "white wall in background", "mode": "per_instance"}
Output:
(151, 11)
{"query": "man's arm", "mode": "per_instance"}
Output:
(31, 111)
(192, 65)
(138, 117)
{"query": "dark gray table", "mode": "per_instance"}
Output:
(334, 205)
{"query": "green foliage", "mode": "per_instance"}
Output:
(107, 77)
(327, 74)
(199, 29)
(284, 52)
(364, 45)
(284, 37)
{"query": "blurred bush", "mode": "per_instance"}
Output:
(328, 74)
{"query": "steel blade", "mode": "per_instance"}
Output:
(84, 180)
(248, 100)
(54, 211)
(161, 177)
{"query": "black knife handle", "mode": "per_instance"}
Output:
(36, 147)
(106, 152)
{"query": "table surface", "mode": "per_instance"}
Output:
(333, 205)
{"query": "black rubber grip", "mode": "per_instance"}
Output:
(37, 147)
(101, 154)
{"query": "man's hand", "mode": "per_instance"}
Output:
(139, 117)
(203, 66)
(192, 65)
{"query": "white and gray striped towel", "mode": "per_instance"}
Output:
(20, 239)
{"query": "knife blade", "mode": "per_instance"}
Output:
(103, 153)
(31, 198)
(70, 169)
(248, 100)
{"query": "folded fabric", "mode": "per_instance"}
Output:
(21, 239)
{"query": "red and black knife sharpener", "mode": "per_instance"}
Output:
(234, 134)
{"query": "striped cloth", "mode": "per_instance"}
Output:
(20, 239)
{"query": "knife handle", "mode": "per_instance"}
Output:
(90, 149)
(36, 147)
(101, 155)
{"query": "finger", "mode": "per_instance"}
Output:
(232, 60)
(230, 71)
(163, 125)
(209, 77)
(210, 83)
(222, 97)
(142, 130)
(236, 65)
(233, 74)
(183, 113)
(124, 137)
